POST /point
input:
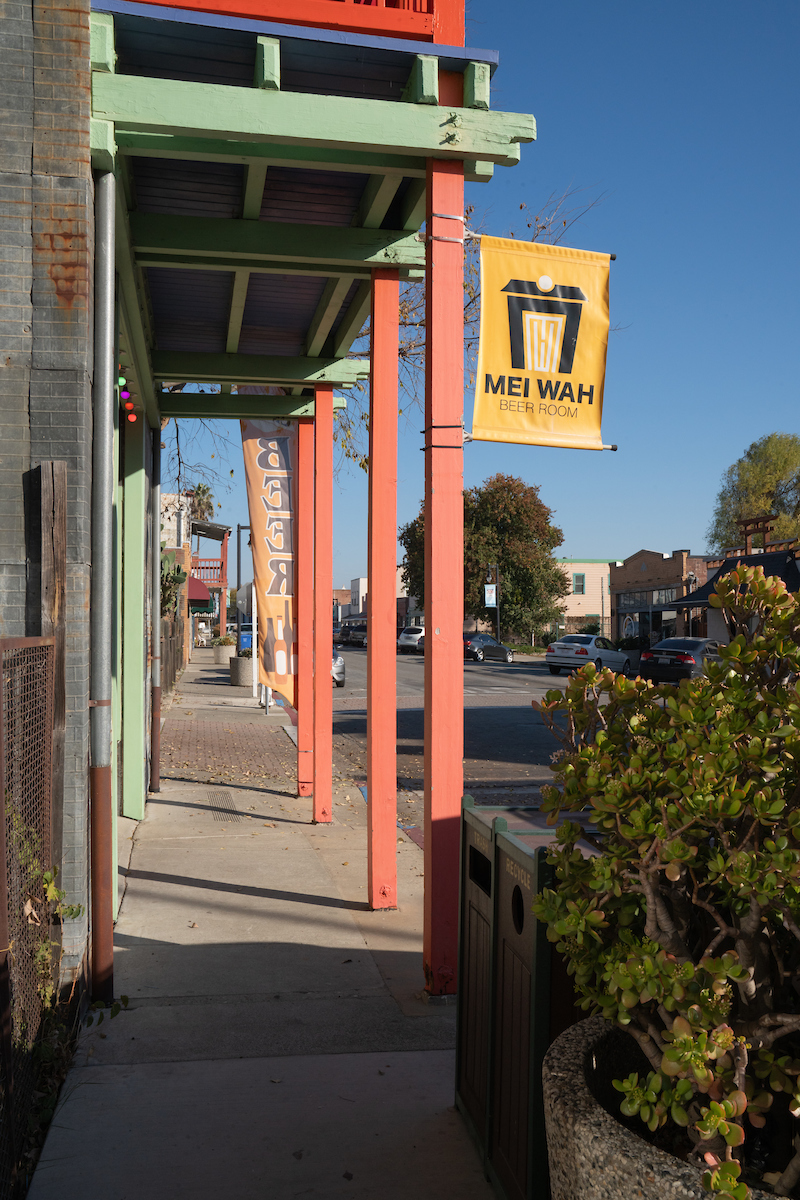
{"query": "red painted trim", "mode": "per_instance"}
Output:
(304, 607)
(224, 580)
(382, 590)
(451, 88)
(444, 575)
(330, 14)
(448, 22)
(103, 867)
(323, 602)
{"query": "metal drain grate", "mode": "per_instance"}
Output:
(223, 808)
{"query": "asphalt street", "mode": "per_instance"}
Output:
(505, 743)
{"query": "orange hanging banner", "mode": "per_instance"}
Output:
(270, 463)
(543, 341)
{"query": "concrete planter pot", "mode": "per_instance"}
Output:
(224, 654)
(241, 671)
(592, 1156)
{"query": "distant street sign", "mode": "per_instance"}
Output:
(490, 595)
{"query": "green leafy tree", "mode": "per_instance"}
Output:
(505, 523)
(766, 479)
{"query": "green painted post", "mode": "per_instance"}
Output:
(134, 634)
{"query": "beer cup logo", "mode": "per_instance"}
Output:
(543, 322)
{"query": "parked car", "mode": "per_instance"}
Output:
(337, 668)
(576, 649)
(421, 645)
(677, 658)
(408, 639)
(479, 646)
(358, 635)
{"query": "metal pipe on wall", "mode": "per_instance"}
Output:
(155, 727)
(103, 399)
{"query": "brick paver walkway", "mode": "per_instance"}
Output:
(253, 754)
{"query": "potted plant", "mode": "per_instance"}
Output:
(224, 648)
(241, 669)
(681, 926)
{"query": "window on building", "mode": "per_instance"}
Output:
(578, 585)
(633, 600)
(665, 595)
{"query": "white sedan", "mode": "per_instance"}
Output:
(577, 649)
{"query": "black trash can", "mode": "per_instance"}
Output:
(515, 995)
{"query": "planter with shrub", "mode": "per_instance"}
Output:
(224, 649)
(683, 929)
(242, 669)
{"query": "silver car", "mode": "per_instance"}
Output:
(337, 669)
(408, 639)
(577, 649)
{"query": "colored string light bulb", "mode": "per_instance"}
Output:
(122, 381)
(132, 416)
(128, 404)
(125, 395)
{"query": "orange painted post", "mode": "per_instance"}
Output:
(304, 592)
(382, 589)
(323, 602)
(444, 570)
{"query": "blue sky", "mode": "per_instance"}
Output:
(684, 117)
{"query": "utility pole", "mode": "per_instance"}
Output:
(495, 567)
(239, 529)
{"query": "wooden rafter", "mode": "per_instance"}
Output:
(275, 369)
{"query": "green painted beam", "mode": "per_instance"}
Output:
(379, 192)
(268, 64)
(353, 320)
(277, 240)
(193, 262)
(213, 405)
(257, 368)
(423, 82)
(412, 214)
(238, 298)
(314, 158)
(255, 179)
(327, 311)
(215, 110)
(134, 639)
(147, 145)
(102, 145)
(477, 81)
(101, 42)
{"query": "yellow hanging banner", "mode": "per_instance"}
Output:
(543, 341)
(270, 465)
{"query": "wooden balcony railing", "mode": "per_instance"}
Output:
(418, 20)
(209, 570)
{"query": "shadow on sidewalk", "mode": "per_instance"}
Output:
(240, 889)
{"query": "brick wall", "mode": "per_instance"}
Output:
(647, 572)
(46, 237)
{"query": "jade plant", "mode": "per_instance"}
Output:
(681, 923)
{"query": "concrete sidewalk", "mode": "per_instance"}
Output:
(275, 1044)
